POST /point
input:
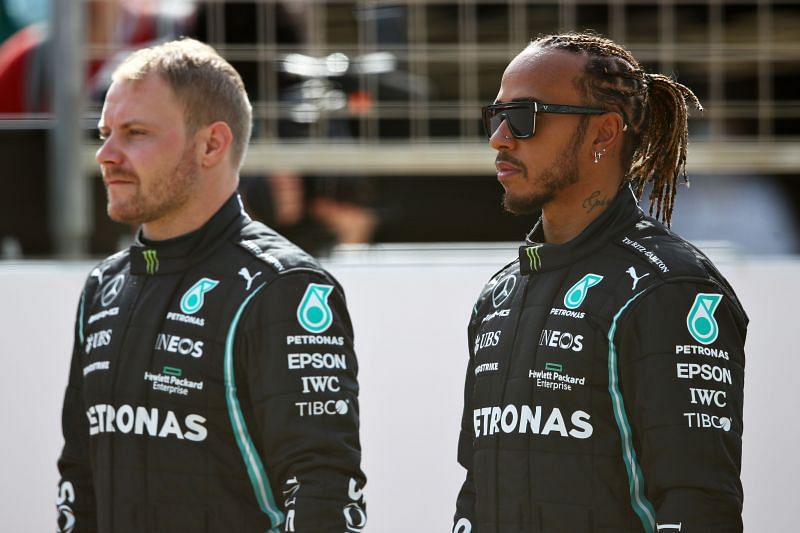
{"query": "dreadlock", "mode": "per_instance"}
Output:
(653, 107)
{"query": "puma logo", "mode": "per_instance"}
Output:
(247, 277)
(632, 272)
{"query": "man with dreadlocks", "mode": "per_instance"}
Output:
(604, 387)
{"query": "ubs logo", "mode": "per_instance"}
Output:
(503, 289)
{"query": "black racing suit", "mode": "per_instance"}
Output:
(212, 389)
(604, 387)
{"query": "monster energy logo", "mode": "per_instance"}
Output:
(533, 257)
(151, 261)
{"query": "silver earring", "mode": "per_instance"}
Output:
(597, 156)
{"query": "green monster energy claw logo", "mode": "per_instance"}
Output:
(533, 257)
(314, 313)
(577, 293)
(700, 320)
(151, 261)
(194, 298)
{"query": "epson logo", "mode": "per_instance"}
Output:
(98, 339)
(488, 339)
(179, 345)
(328, 361)
(104, 418)
(513, 419)
(320, 384)
(705, 372)
(561, 339)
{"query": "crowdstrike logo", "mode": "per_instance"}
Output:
(522, 419)
(105, 418)
(577, 293)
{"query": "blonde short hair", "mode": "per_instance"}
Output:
(208, 86)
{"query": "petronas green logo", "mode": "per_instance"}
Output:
(194, 298)
(150, 261)
(700, 320)
(314, 313)
(533, 257)
(577, 293)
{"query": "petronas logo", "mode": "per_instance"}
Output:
(314, 313)
(533, 257)
(150, 261)
(700, 320)
(194, 298)
(577, 293)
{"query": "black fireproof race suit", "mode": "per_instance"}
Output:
(605, 386)
(212, 389)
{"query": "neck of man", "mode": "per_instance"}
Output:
(574, 208)
(203, 203)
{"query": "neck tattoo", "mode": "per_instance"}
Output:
(594, 201)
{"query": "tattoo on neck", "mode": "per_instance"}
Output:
(594, 201)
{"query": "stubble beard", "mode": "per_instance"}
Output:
(165, 194)
(552, 180)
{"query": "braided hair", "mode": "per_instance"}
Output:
(653, 107)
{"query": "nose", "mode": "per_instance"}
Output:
(502, 139)
(107, 154)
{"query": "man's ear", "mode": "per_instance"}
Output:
(214, 142)
(608, 133)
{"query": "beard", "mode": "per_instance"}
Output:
(162, 195)
(552, 180)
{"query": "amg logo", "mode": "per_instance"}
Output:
(179, 345)
(104, 418)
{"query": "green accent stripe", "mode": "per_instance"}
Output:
(80, 317)
(641, 505)
(533, 256)
(255, 469)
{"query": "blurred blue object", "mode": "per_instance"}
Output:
(26, 12)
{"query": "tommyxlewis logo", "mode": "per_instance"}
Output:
(194, 298)
(577, 293)
(700, 320)
(314, 313)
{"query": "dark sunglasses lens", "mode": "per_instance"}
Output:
(520, 120)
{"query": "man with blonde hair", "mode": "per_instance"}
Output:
(213, 382)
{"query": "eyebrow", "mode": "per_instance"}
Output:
(521, 99)
(125, 125)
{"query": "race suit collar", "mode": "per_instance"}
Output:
(537, 255)
(175, 255)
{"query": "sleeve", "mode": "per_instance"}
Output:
(681, 361)
(75, 499)
(465, 502)
(301, 372)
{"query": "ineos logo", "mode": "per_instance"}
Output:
(503, 290)
(111, 290)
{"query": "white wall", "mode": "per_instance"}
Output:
(410, 317)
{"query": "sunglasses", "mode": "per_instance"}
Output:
(521, 116)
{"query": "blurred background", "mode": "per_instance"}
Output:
(368, 152)
(367, 112)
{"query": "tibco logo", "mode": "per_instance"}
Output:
(523, 419)
(330, 407)
(704, 420)
(182, 346)
(104, 418)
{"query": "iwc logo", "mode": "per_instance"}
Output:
(314, 313)
(700, 320)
